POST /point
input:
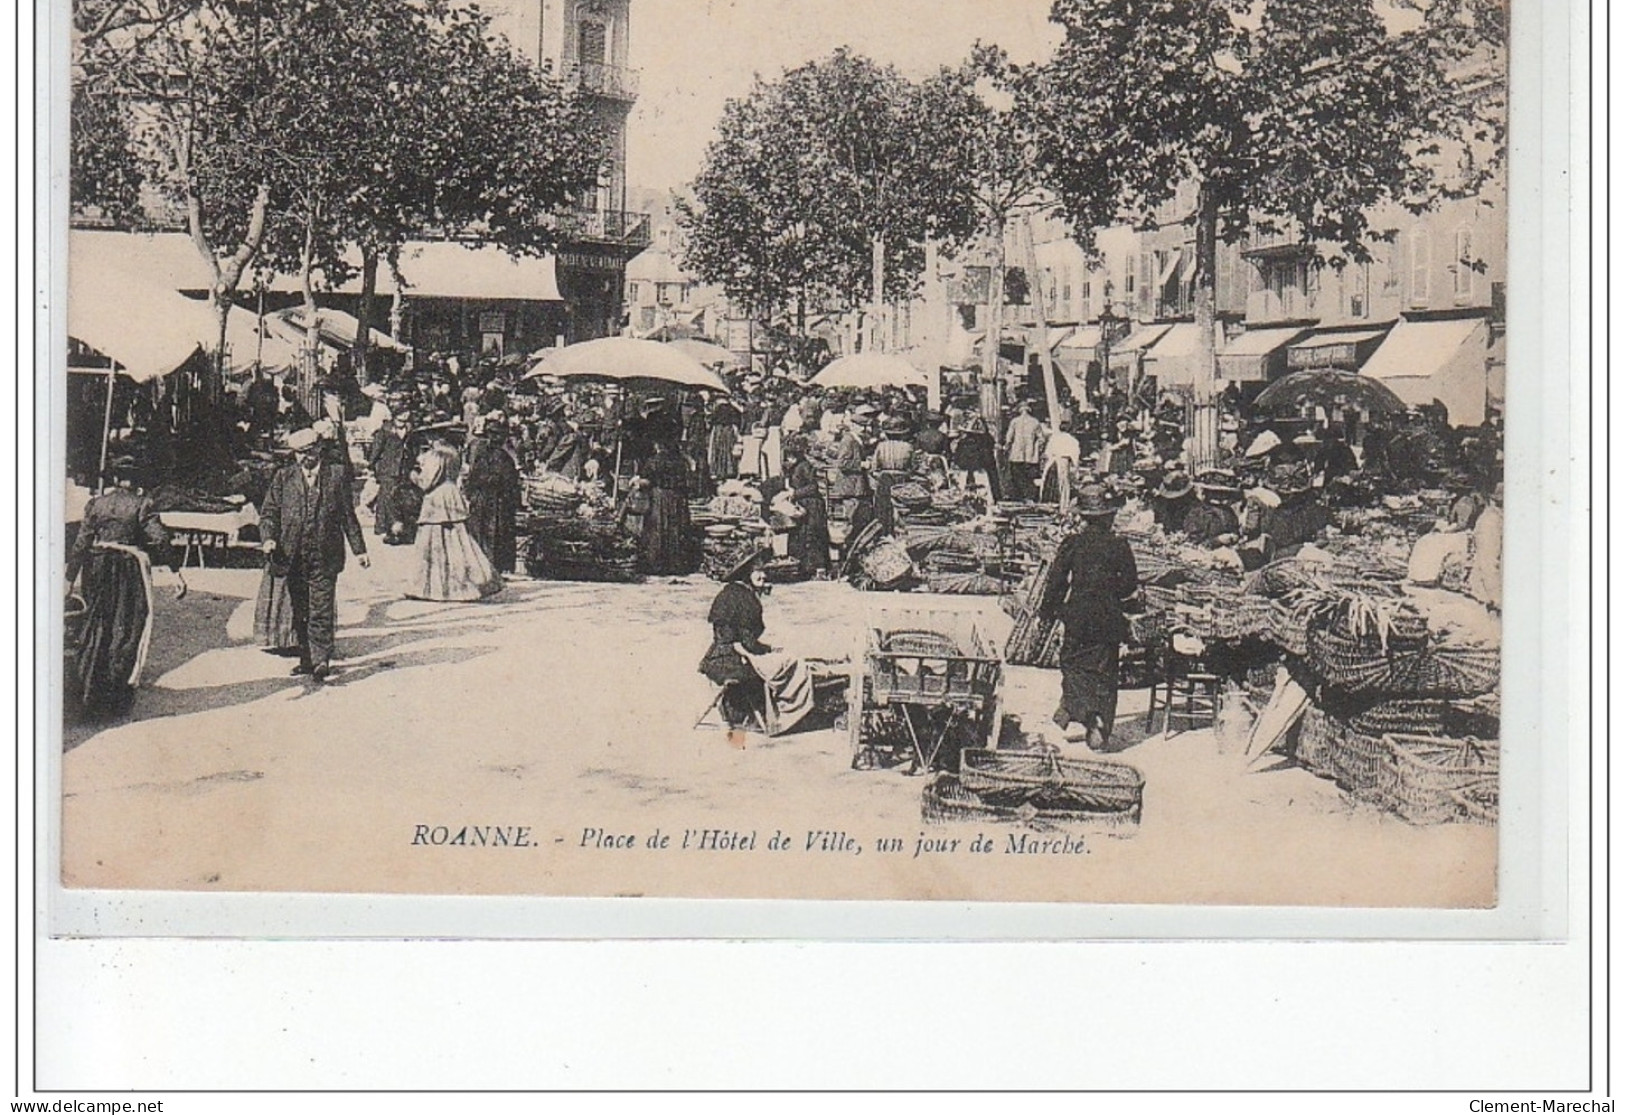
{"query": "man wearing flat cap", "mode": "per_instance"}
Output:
(307, 519)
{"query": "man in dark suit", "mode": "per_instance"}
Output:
(307, 518)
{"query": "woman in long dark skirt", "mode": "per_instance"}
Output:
(492, 487)
(1093, 574)
(809, 538)
(112, 558)
(667, 546)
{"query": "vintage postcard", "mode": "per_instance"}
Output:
(969, 452)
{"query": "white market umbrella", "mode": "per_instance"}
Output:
(625, 360)
(871, 370)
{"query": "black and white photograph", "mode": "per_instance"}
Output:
(1021, 451)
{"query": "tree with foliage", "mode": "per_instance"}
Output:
(822, 188)
(290, 131)
(1305, 114)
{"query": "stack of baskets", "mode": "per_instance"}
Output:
(574, 548)
(550, 494)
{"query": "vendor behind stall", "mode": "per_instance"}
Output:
(894, 464)
(1295, 516)
(1213, 521)
(738, 657)
(1174, 500)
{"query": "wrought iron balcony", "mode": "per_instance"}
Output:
(607, 226)
(618, 83)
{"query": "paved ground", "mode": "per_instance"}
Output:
(562, 708)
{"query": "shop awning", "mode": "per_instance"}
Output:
(1082, 344)
(1448, 361)
(1247, 358)
(430, 268)
(334, 328)
(1347, 349)
(164, 259)
(447, 269)
(247, 343)
(1134, 345)
(1172, 359)
(144, 327)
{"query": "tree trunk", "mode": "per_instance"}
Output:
(227, 272)
(364, 313)
(878, 295)
(307, 350)
(1035, 292)
(1205, 415)
(992, 399)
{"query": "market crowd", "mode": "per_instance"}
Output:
(486, 472)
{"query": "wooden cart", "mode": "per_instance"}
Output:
(929, 688)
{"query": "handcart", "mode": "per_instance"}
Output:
(929, 689)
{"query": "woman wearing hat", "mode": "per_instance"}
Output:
(119, 539)
(493, 490)
(1173, 500)
(738, 657)
(809, 538)
(1213, 521)
(894, 463)
(666, 544)
(1093, 574)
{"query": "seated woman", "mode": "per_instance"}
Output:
(738, 655)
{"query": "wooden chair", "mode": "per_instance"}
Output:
(1184, 689)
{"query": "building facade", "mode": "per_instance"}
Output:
(585, 44)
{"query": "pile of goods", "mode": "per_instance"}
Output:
(917, 505)
(574, 532)
(579, 548)
(1399, 715)
(730, 526)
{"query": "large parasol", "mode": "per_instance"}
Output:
(871, 370)
(1324, 387)
(628, 361)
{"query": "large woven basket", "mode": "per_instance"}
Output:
(887, 563)
(1316, 738)
(1422, 716)
(946, 800)
(1093, 783)
(1427, 780)
(1357, 762)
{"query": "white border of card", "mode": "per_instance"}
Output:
(1543, 780)
(1409, 1014)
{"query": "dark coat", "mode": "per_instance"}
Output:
(1092, 575)
(120, 516)
(1207, 522)
(735, 617)
(310, 525)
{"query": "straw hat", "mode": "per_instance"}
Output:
(1174, 486)
(302, 439)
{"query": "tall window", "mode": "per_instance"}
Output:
(1421, 265)
(1088, 301)
(592, 41)
(633, 289)
(1462, 267)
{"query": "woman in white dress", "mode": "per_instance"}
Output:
(448, 564)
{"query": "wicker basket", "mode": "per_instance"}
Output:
(1420, 716)
(887, 563)
(1160, 599)
(946, 800)
(1316, 738)
(1427, 780)
(1094, 784)
(1288, 630)
(1357, 762)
